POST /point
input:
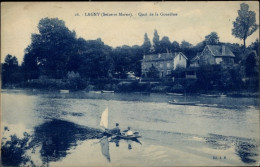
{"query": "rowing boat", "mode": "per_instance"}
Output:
(107, 132)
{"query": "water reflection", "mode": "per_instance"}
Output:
(105, 140)
(54, 138)
(105, 147)
(58, 136)
(246, 149)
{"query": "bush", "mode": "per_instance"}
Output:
(161, 89)
(177, 89)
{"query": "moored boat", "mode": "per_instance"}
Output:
(107, 91)
(64, 91)
(183, 103)
(175, 94)
(212, 95)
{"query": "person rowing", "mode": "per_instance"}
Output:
(116, 130)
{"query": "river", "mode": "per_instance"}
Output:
(48, 128)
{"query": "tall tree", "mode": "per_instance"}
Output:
(165, 44)
(185, 45)
(9, 69)
(212, 39)
(51, 49)
(146, 45)
(245, 24)
(95, 59)
(156, 42)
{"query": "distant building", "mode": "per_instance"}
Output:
(215, 54)
(195, 61)
(164, 62)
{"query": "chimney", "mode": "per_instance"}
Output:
(223, 50)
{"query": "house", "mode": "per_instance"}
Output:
(195, 61)
(163, 62)
(215, 54)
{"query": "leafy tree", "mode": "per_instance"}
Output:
(127, 59)
(146, 45)
(186, 48)
(251, 68)
(136, 59)
(212, 39)
(208, 77)
(230, 78)
(156, 42)
(96, 61)
(255, 46)
(245, 24)
(175, 46)
(165, 44)
(185, 45)
(122, 59)
(10, 69)
(51, 49)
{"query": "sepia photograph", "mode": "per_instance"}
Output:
(130, 83)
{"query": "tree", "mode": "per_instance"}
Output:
(245, 24)
(10, 69)
(251, 68)
(175, 46)
(212, 39)
(165, 44)
(185, 45)
(255, 46)
(146, 45)
(96, 61)
(156, 42)
(51, 49)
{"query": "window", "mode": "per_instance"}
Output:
(168, 72)
(179, 57)
(161, 65)
(168, 65)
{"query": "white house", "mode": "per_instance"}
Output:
(179, 60)
(163, 62)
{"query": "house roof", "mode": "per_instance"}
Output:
(182, 55)
(220, 51)
(197, 57)
(162, 56)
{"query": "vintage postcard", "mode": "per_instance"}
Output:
(130, 83)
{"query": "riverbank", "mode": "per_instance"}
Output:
(126, 86)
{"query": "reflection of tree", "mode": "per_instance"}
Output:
(58, 136)
(55, 138)
(246, 149)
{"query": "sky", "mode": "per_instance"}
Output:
(193, 22)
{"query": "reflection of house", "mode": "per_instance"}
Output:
(164, 62)
(215, 54)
